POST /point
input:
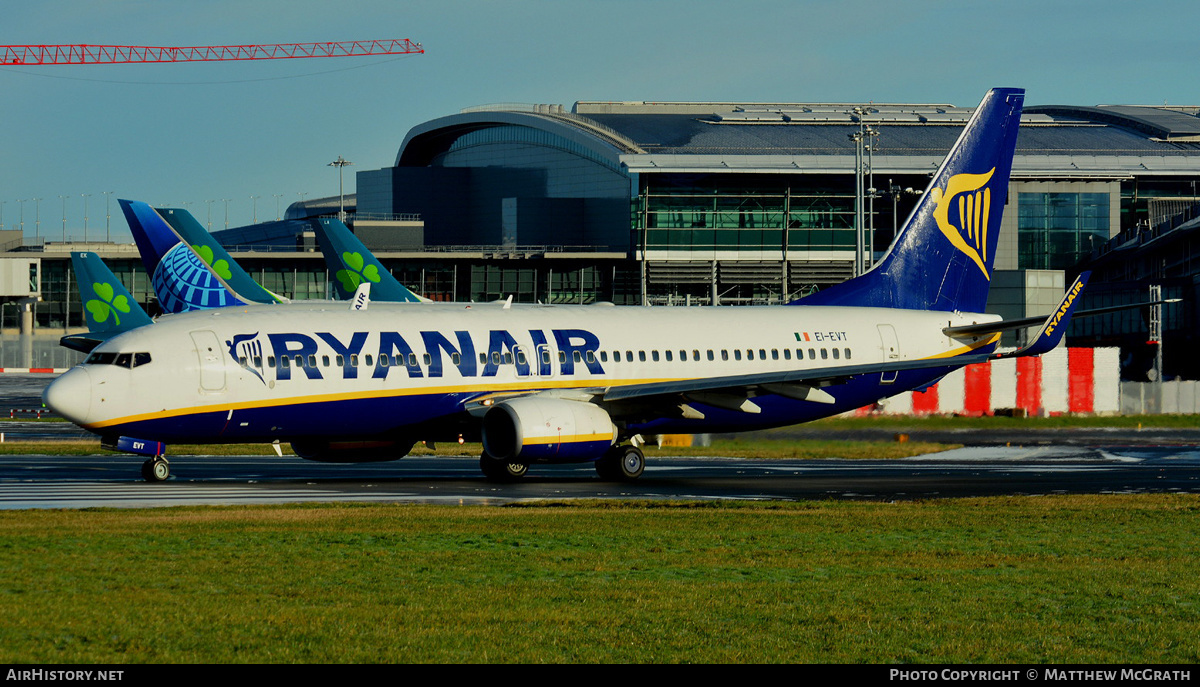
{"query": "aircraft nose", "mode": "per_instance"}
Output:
(70, 395)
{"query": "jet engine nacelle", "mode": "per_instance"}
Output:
(533, 429)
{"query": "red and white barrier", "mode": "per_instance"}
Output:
(33, 370)
(1065, 380)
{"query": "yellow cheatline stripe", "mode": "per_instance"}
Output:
(569, 439)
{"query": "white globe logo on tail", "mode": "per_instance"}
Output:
(974, 206)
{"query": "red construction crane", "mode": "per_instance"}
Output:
(130, 54)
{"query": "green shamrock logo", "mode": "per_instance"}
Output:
(356, 275)
(101, 309)
(221, 267)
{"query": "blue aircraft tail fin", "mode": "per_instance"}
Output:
(108, 306)
(215, 255)
(352, 264)
(182, 280)
(943, 255)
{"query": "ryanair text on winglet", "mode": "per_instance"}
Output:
(1062, 311)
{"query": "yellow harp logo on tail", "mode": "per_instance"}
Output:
(974, 200)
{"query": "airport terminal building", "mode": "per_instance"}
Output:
(736, 203)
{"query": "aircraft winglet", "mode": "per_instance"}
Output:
(362, 297)
(1055, 326)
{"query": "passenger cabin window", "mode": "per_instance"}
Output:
(642, 356)
(670, 358)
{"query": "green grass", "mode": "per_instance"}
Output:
(1079, 579)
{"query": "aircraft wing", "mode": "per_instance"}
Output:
(734, 391)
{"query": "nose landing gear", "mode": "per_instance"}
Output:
(156, 469)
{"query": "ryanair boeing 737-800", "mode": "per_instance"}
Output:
(557, 383)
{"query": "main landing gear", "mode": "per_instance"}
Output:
(621, 464)
(500, 470)
(156, 469)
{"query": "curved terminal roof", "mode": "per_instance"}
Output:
(815, 137)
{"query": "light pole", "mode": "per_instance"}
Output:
(277, 197)
(254, 212)
(210, 202)
(340, 164)
(85, 217)
(64, 217)
(107, 216)
(22, 215)
(37, 218)
(227, 201)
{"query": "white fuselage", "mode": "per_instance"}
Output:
(260, 373)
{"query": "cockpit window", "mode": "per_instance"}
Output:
(126, 360)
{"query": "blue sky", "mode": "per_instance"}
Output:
(184, 134)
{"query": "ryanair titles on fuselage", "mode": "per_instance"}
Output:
(391, 350)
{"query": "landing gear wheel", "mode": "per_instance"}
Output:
(156, 470)
(621, 464)
(500, 470)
